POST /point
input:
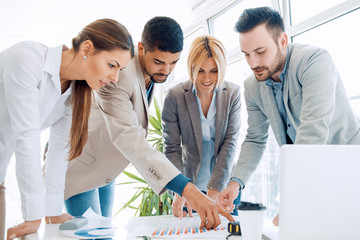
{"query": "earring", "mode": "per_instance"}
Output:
(85, 57)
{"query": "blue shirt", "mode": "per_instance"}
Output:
(208, 142)
(278, 88)
(178, 183)
(148, 91)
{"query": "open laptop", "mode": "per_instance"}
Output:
(319, 192)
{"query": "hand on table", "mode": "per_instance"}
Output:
(178, 205)
(227, 196)
(58, 219)
(28, 227)
(22, 229)
(206, 207)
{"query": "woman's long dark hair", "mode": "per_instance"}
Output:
(106, 35)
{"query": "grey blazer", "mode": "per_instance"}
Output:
(183, 137)
(315, 101)
(118, 127)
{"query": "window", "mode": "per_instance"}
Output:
(222, 24)
(237, 72)
(304, 9)
(341, 39)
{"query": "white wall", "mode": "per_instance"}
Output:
(55, 22)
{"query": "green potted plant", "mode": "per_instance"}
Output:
(151, 204)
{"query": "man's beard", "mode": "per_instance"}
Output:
(155, 80)
(270, 71)
(153, 77)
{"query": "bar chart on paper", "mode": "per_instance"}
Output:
(170, 227)
(168, 231)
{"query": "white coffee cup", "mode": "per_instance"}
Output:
(251, 218)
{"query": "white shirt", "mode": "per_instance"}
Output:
(31, 101)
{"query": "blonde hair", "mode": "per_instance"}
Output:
(202, 48)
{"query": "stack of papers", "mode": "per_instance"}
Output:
(170, 227)
(97, 227)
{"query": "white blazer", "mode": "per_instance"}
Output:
(31, 101)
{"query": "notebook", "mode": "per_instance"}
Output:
(319, 192)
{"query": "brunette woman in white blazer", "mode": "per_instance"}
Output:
(201, 119)
(43, 87)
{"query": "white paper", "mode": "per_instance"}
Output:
(97, 227)
(96, 220)
(160, 227)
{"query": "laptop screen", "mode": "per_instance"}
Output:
(319, 192)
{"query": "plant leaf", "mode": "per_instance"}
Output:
(134, 197)
(158, 111)
(156, 124)
(123, 183)
(132, 176)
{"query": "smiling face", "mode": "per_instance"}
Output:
(265, 57)
(157, 64)
(207, 77)
(103, 67)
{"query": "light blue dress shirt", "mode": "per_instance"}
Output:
(208, 142)
(278, 88)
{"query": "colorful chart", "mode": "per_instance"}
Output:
(183, 230)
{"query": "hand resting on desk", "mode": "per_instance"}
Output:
(28, 227)
(178, 205)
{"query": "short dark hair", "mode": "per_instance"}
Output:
(252, 17)
(163, 33)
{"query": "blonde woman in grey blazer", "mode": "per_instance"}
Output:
(201, 119)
